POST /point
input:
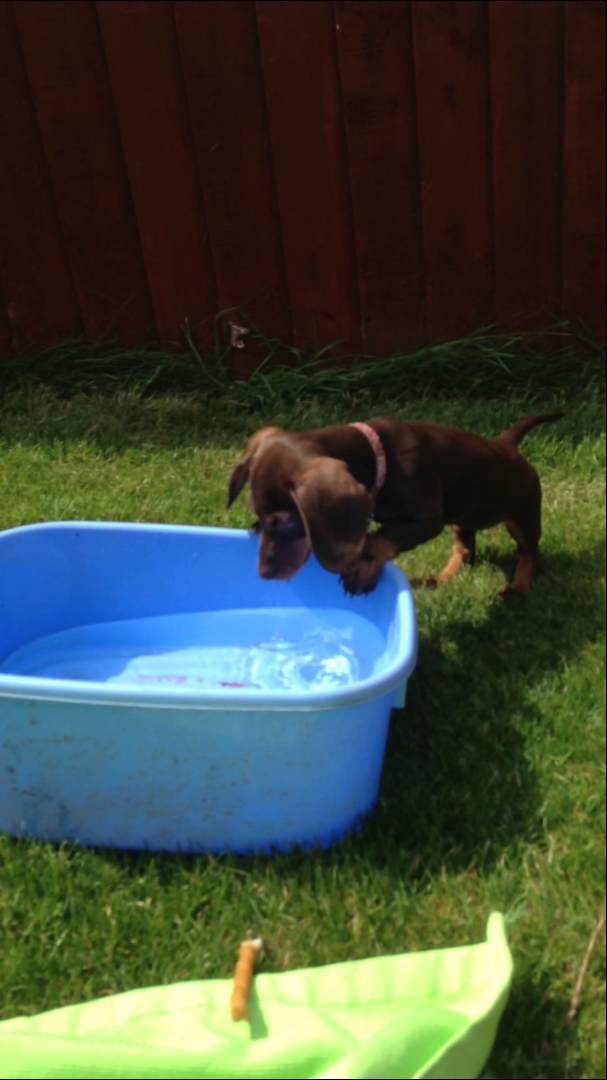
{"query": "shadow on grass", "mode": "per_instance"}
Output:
(458, 787)
(534, 1038)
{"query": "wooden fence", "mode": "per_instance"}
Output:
(383, 173)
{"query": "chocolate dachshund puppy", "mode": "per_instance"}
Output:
(319, 490)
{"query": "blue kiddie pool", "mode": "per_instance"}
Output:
(156, 693)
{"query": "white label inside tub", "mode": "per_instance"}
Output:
(288, 649)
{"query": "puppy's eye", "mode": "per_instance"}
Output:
(290, 528)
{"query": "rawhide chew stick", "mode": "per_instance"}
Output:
(243, 977)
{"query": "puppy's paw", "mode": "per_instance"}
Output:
(509, 591)
(361, 577)
(424, 582)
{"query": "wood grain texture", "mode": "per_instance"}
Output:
(224, 88)
(378, 173)
(375, 53)
(68, 78)
(584, 163)
(526, 54)
(147, 84)
(299, 63)
(39, 296)
(452, 87)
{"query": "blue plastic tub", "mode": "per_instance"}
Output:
(156, 693)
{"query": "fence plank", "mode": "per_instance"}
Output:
(452, 80)
(66, 69)
(5, 330)
(146, 79)
(526, 42)
(376, 172)
(584, 164)
(40, 302)
(300, 73)
(220, 56)
(376, 66)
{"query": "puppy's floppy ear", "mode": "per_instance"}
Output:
(335, 510)
(242, 470)
(238, 480)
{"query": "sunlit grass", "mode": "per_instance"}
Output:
(493, 788)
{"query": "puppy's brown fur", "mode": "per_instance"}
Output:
(313, 491)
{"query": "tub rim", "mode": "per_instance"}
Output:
(231, 699)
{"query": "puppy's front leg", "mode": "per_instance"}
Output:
(362, 574)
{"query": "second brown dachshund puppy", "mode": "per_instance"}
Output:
(318, 491)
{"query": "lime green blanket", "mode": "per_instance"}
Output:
(429, 1014)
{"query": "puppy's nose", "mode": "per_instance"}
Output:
(267, 570)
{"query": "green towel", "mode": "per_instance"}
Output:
(427, 1014)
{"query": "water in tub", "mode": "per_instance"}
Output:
(265, 648)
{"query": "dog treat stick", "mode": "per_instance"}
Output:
(243, 977)
(577, 994)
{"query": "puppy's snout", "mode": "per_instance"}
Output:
(268, 563)
(269, 570)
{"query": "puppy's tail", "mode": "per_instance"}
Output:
(514, 434)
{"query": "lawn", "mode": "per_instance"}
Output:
(493, 788)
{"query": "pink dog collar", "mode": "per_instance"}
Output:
(378, 450)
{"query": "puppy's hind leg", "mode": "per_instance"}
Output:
(527, 537)
(463, 553)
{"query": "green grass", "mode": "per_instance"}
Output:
(493, 788)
